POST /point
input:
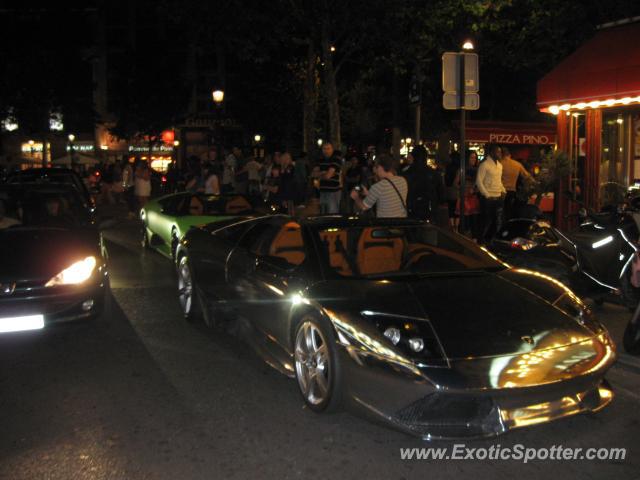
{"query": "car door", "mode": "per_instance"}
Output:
(275, 262)
(160, 217)
(241, 264)
(210, 258)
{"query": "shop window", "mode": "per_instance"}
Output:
(614, 163)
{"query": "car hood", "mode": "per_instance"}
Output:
(477, 315)
(37, 254)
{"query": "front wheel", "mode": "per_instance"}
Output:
(631, 338)
(317, 365)
(144, 242)
(174, 243)
(630, 294)
(187, 291)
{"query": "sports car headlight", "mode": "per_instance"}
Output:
(76, 273)
(414, 337)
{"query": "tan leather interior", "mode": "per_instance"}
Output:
(288, 244)
(336, 243)
(196, 207)
(236, 205)
(378, 255)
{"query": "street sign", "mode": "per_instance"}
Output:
(451, 101)
(460, 82)
(451, 72)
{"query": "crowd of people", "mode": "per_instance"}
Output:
(367, 185)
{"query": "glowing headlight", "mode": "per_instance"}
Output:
(77, 273)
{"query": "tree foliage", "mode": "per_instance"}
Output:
(262, 52)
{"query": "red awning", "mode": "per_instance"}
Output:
(606, 67)
(511, 133)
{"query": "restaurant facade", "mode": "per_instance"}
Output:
(594, 94)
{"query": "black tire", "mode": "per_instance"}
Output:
(174, 244)
(630, 294)
(210, 315)
(146, 245)
(631, 338)
(331, 372)
(188, 292)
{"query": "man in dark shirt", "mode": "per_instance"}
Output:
(330, 184)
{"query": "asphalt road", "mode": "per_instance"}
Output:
(141, 394)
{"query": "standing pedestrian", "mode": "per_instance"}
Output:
(271, 187)
(253, 168)
(287, 182)
(229, 172)
(352, 179)
(471, 199)
(422, 196)
(142, 183)
(241, 174)
(330, 187)
(388, 194)
(128, 187)
(211, 179)
(512, 170)
(492, 193)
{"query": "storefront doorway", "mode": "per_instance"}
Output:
(614, 160)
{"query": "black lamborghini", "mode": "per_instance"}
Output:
(419, 327)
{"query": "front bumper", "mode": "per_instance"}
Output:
(59, 304)
(474, 398)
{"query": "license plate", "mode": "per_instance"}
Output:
(19, 324)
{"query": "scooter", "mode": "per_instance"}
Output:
(605, 245)
(594, 260)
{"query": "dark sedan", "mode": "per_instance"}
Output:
(417, 326)
(52, 258)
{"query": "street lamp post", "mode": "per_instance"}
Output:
(257, 151)
(466, 46)
(218, 98)
(71, 138)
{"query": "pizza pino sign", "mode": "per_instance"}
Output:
(510, 133)
(520, 139)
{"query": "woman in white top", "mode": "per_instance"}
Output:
(211, 182)
(142, 183)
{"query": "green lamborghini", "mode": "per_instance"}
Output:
(166, 219)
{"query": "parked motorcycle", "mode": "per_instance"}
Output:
(594, 260)
(606, 243)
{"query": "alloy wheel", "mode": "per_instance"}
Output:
(185, 286)
(312, 363)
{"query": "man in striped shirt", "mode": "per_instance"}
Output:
(388, 194)
(330, 185)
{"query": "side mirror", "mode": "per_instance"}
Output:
(582, 213)
(272, 265)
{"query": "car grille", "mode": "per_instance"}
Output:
(440, 415)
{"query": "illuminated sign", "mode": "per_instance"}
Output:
(81, 147)
(32, 147)
(155, 148)
(519, 139)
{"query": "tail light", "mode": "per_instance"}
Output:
(525, 244)
(163, 179)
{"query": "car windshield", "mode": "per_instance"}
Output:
(41, 206)
(406, 250)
